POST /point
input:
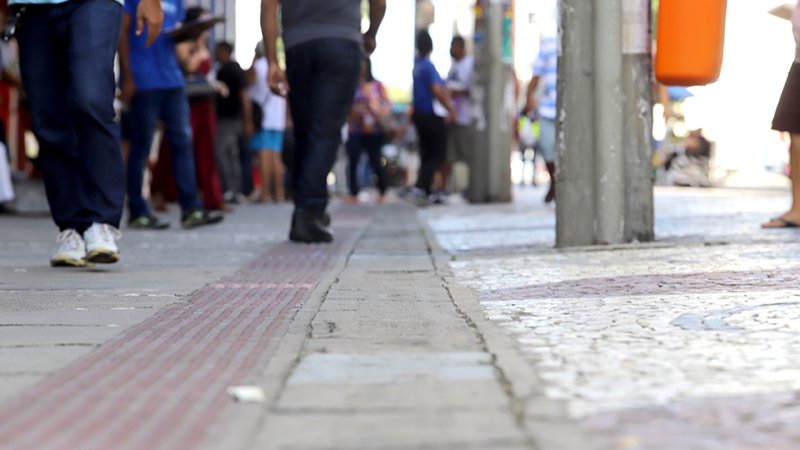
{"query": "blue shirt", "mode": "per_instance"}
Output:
(155, 67)
(425, 77)
(46, 2)
(546, 67)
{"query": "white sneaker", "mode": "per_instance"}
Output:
(71, 252)
(101, 243)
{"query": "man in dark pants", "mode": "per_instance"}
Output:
(153, 86)
(67, 51)
(324, 49)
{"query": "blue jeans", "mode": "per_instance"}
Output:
(171, 107)
(356, 144)
(322, 76)
(67, 62)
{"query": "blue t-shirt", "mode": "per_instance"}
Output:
(155, 67)
(425, 76)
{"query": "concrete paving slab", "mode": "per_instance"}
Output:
(416, 429)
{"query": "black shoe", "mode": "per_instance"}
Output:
(147, 222)
(200, 217)
(310, 227)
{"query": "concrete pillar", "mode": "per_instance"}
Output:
(604, 174)
(490, 172)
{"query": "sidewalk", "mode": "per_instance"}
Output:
(450, 327)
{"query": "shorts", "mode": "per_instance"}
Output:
(267, 140)
(460, 142)
(787, 114)
(547, 139)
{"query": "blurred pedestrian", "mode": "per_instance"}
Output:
(787, 118)
(545, 70)
(196, 63)
(153, 86)
(370, 113)
(67, 51)
(324, 47)
(234, 120)
(461, 133)
(431, 128)
(267, 142)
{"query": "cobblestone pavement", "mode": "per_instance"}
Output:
(692, 342)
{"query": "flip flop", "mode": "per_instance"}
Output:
(783, 223)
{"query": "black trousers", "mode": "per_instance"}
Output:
(432, 134)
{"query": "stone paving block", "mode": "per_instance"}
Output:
(419, 429)
(12, 385)
(436, 395)
(387, 329)
(39, 360)
(34, 336)
(411, 320)
(383, 308)
(440, 341)
(119, 316)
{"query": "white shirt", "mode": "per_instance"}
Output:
(460, 78)
(274, 106)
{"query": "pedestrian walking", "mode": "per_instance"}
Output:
(67, 51)
(545, 70)
(267, 142)
(431, 128)
(371, 111)
(153, 86)
(787, 118)
(234, 120)
(324, 47)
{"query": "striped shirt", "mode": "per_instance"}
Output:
(546, 67)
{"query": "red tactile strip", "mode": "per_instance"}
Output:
(162, 383)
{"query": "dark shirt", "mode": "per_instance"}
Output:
(234, 77)
(305, 20)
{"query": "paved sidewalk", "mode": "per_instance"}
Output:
(691, 342)
(455, 327)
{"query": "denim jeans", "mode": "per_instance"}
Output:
(356, 144)
(322, 76)
(171, 107)
(432, 133)
(67, 62)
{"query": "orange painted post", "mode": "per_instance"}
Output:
(691, 36)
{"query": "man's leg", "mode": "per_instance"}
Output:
(227, 137)
(94, 27)
(374, 143)
(174, 113)
(143, 116)
(323, 75)
(353, 155)
(43, 63)
(547, 129)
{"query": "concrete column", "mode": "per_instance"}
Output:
(609, 178)
(575, 162)
(604, 174)
(490, 173)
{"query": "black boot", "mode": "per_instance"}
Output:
(551, 193)
(310, 227)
